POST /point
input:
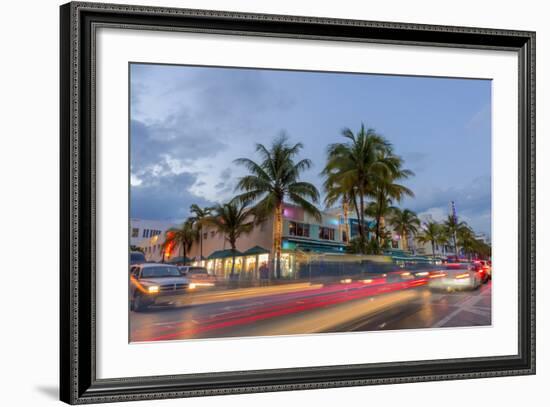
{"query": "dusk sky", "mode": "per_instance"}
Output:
(188, 125)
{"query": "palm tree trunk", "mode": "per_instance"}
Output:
(456, 247)
(345, 207)
(200, 231)
(357, 213)
(433, 249)
(405, 241)
(278, 235)
(379, 220)
(362, 210)
(232, 262)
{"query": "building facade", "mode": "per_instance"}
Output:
(304, 237)
(142, 230)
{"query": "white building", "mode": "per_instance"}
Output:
(142, 229)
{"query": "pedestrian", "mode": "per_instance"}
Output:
(264, 274)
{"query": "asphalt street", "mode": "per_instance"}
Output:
(312, 308)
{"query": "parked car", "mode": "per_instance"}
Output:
(456, 276)
(198, 276)
(155, 283)
(137, 257)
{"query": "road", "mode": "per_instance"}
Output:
(312, 308)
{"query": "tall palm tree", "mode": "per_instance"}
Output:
(386, 189)
(233, 220)
(200, 215)
(360, 163)
(406, 223)
(273, 180)
(452, 225)
(184, 237)
(432, 233)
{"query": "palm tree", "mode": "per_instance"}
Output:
(432, 233)
(184, 237)
(354, 163)
(273, 180)
(465, 237)
(483, 249)
(201, 214)
(452, 225)
(386, 190)
(232, 219)
(406, 223)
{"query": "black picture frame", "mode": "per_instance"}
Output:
(78, 382)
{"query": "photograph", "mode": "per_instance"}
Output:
(284, 202)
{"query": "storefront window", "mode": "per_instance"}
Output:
(287, 265)
(298, 229)
(218, 267)
(250, 267)
(228, 265)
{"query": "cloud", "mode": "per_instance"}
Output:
(225, 93)
(194, 121)
(416, 161)
(164, 198)
(175, 139)
(472, 202)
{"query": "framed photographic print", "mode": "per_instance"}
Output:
(255, 203)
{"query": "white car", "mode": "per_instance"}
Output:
(456, 276)
(198, 276)
(155, 283)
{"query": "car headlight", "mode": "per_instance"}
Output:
(153, 289)
(192, 286)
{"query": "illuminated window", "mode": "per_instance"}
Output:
(298, 229)
(287, 261)
(250, 264)
(326, 233)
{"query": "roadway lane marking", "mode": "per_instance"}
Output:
(467, 305)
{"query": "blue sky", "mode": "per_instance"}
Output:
(188, 124)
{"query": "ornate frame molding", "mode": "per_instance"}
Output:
(77, 246)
